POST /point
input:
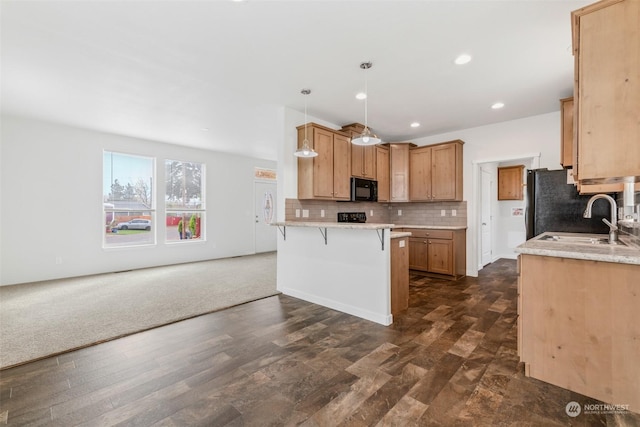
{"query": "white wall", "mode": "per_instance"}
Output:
(495, 143)
(51, 182)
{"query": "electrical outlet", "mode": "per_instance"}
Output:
(371, 212)
(297, 213)
(399, 212)
(443, 212)
(305, 213)
(58, 260)
(454, 212)
(321, 213)
(401, 243)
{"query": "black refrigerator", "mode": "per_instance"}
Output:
(554, 205)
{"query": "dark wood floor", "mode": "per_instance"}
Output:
(449, 360)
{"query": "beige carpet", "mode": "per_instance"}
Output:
(47, 318)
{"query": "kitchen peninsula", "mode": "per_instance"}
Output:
(354, 268)
(579, 323)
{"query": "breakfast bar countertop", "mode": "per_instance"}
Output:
(628, 253)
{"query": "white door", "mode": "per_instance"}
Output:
(265, 213)
(485, 217)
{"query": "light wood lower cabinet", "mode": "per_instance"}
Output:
(436, 251)
(399, 274)
(579, 326)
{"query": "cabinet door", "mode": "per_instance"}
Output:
(440, 256)
(341, 167)
(382, 172)
(369, 162)
(399, 171)
(420, 174)
(510, 181)
(418, 254)
(357, 157)
(444, 172)
(607, 104)
(323, 163)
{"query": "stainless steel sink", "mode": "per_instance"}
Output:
(588, 240)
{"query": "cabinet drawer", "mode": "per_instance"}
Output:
(431, 234)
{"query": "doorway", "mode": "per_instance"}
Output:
(265, 214)
(485, 216)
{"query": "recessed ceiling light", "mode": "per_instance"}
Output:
(361, 96)
(497, 105)
(462, 59)
(415, 124)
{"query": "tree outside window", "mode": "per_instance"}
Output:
(184, 201)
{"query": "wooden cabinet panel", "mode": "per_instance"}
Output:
(363, 157)
(341, 167)
(399, 171)
(566, 132)
(440, 256)
(438, 251)
(326, 176)
(420, 174)
(510, 183)
(436, 172)
(418, 258)
(606, 42)
(322, 164)
(382, 172)
(578, 334)
(399, 275)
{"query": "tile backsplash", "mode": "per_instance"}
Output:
(434, 213)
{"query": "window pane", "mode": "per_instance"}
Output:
(175, 226)
(184, 200)
(184, 185)
(127, 199)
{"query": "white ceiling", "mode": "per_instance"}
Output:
(164, 70)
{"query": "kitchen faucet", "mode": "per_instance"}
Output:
(613, 225)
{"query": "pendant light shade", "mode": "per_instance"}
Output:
(305, 151)
(366, 137)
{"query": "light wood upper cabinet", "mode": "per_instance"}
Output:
(363, 157)
(382, 170)
(399, 171)
(606, 42)
(326, 176)
(566, 132)
(436, 172)
(510, 183)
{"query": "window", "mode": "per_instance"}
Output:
(184, 199)
(128, 204)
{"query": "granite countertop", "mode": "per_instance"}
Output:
(622, 254)
(432, 227)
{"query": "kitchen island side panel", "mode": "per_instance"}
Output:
(350, 273)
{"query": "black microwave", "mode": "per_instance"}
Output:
(364, 190)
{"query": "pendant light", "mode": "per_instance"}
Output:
(366, 137)
(305, 151)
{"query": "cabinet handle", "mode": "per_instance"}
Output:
(429, 241)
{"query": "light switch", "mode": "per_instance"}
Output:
(322, 213)
(371, 212)
(305, 213)
(297, 213)
(454, 212)
(399, 212)
(443, 212)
